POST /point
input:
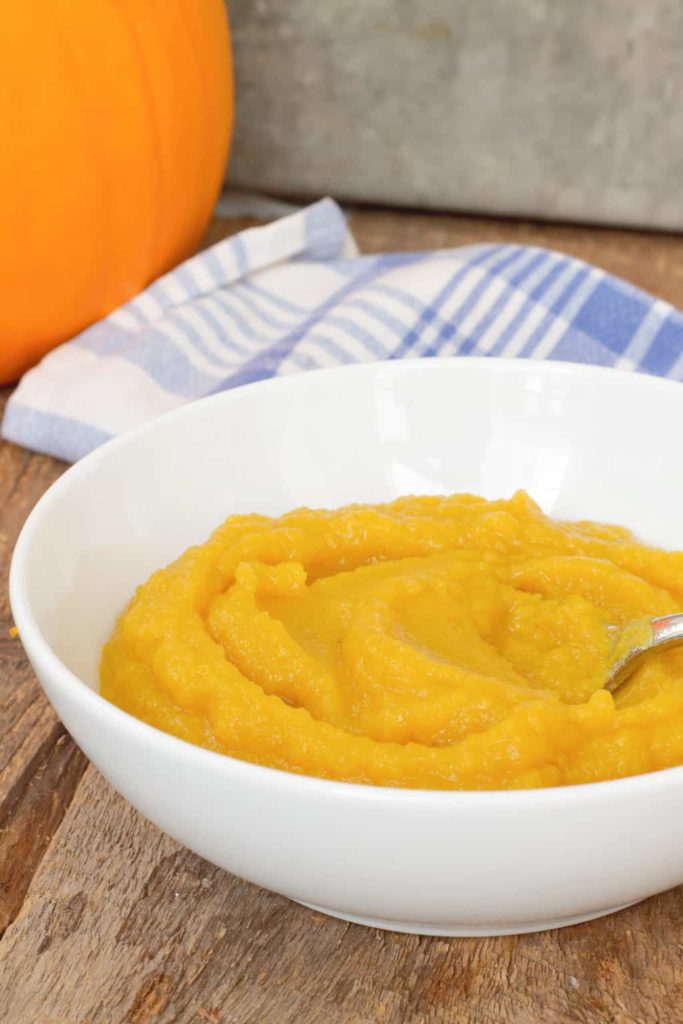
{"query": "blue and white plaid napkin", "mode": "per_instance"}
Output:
(295, 295)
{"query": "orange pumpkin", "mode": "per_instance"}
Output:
(116, 118)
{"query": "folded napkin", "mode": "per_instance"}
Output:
(295, 295)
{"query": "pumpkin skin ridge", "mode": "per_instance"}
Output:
(190, 22)
(106, 184)
(77, 90)
(150, 106)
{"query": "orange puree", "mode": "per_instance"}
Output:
(448, 643)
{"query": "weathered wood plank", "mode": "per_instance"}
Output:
(40, 768)
(122, 925)
(39, 765)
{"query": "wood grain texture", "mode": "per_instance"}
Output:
(39, 765)
(123, 925)
(119, 924)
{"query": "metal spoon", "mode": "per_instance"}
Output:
(636, 640)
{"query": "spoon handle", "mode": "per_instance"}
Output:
(667, 630)
(640, 638)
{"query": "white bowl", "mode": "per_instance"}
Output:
(584, 442)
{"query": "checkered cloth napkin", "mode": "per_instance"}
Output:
(295, 295)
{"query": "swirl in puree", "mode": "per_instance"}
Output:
(441, 643)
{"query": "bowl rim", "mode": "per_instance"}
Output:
(38, 648)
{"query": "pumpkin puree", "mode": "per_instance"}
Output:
(449, 643)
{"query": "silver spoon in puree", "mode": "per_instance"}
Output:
(637, 640)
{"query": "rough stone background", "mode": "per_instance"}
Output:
(566, 109)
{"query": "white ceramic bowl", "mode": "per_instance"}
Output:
(584, 442)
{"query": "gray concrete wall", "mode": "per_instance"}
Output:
(557, 108)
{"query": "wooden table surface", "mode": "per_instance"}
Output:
(107, 920)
